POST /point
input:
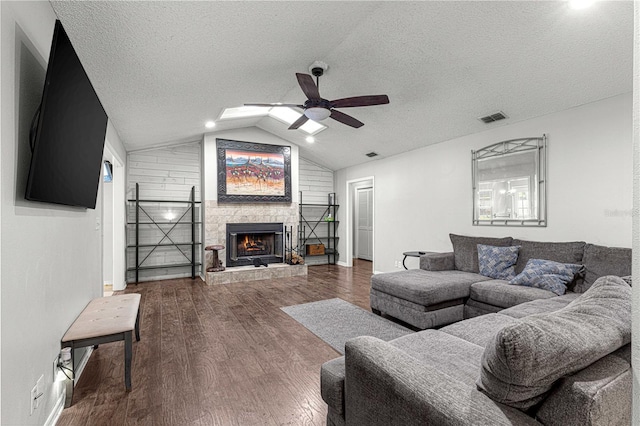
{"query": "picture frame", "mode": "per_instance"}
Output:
(251, 172)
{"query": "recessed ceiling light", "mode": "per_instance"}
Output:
(581, 4)
(210, 124)
(310, 139)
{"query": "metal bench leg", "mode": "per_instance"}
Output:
(138, 326)
(127, 359)
(68, 400)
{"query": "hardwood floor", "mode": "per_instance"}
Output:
(218, 355)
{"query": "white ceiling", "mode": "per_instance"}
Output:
(162, 69)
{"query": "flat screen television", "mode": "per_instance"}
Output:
(68, 132)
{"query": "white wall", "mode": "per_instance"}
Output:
(249, 134)
(635, 337)
(316, 182)
(51, 255)
(423, 195)
(167, 173)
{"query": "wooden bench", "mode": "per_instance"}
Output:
(104, 320)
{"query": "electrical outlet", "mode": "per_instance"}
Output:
(34, 399)
(36, 393)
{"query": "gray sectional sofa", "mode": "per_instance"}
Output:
(509, 355)
(448, 287)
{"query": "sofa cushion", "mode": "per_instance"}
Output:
(425, 287)
(474, 309)
(500, 293)
(465, 250)
(540, 306)
(332, 384)
(600, 261)
(569, 252)
(595, 395)
(497, 262)
(479, 330)
(524, 360)
(453, 356)
(547, 274)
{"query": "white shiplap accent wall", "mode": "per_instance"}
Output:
(164, 174)
(316, 182)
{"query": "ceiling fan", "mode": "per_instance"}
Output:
(316, 108)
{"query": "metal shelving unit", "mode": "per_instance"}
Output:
(187, 218)
(318, 226)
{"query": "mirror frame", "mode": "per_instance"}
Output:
(505, 148)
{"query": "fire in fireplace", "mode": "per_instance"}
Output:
(249, 241)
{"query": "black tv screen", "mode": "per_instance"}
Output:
(67, 144)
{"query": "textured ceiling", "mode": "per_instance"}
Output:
(162, 69)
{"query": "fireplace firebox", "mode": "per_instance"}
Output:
(249, 241)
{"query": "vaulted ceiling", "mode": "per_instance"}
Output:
(162, 69)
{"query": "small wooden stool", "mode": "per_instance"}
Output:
(216, 265)
(104, 320)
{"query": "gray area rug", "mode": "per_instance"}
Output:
(336, 321)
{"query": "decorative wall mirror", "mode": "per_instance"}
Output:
(509, 183)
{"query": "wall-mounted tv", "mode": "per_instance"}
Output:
(68, 132)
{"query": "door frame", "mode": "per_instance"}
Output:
(351, 186)
(356, 219)
(118, 233)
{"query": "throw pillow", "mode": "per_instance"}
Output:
(497, 262)
(465, 250)
(547, 274)
(522, 361)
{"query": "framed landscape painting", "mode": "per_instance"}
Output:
(253, 172)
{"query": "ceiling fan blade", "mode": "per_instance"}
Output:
(308, 86)
(275, 105)
(358, 101)
(299, 122)
(345, 119)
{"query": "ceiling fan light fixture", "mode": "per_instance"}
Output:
(317, 113)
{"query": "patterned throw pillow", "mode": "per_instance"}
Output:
(548, 275)
(497, 262)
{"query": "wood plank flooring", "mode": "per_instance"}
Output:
(218, 355)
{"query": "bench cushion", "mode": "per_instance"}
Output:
(502, 294)
(105, 316)
(426, 287)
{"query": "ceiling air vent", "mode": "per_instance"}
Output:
(493, 117)
(371, 154)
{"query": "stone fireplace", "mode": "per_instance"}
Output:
(250, 241)
(219, 216)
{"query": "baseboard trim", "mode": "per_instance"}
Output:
(82, 364)
(57, 410)
(341, 263)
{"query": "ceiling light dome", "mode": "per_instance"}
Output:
(317, 113)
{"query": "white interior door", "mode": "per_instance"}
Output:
(364, 223)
